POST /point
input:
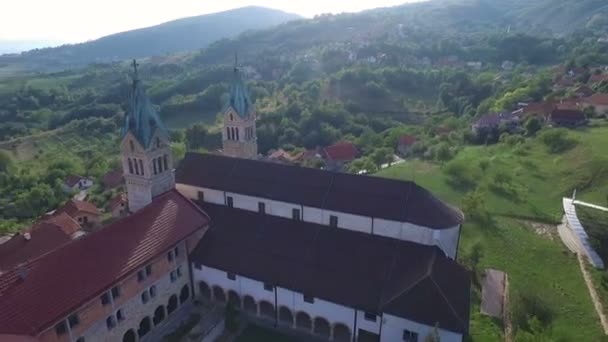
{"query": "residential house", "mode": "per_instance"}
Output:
(493, 121)
(405, 143)
(598, 101)
(281, 156)
(83, 212)
(118, 206)
(598, 78)
(583, 91)
(567, 118)
(540, 110)
(76, 183)
(113, 179)
(338, 155)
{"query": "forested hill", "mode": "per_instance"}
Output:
(185, 34)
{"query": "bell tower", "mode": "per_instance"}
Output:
(145, 149)
(239, 137)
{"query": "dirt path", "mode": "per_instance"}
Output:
(594, 296)
(507, 313)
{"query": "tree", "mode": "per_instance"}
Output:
(532, 126)
(443, 153)
(381, 156)
(196, 136)
(6, 161)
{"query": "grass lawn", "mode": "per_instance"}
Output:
(254, 333)
(536, 183)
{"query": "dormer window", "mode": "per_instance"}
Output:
(157, 142)
(231, 117)
(132, 145)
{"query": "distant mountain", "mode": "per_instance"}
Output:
(175, 36)
(16, 46)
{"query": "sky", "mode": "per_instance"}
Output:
(72, 21)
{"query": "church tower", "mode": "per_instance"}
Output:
(239, 137)
(145, 148)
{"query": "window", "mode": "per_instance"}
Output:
(165, 162)
(262, 207)
(61, 328)
(131, 145)
(201, 196)
(295, 214)
(141, 276)
(80, 339)
(110, 322)
(152, 291)
(73, 320)
(268, 287)
(130, 166)
(141, 166)
(119, 316)
(115, 292)
(145, 297)
(179, 271)
(333, 221)
(231, 117)
(105, 298)
(176, 251)
(85, 219)
(410, 336)
(237, 134)
(160, 164)
(309, 299)
(136, 167)
(231, 276)
(154, 166)
(148, 270)
(173, 276)
(228, 133)
(230, 201)
(157, 142)
(370, 317)
(170, 256)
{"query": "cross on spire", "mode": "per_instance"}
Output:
(135, 65)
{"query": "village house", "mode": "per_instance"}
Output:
(597, 101)
(493, 121)
(281, 156)
(540, 110)
(118, 206)
(583, 91)
(405, 143)
(336, 156)
(76, 183)
(83, 212)
(112, 180)
(567, 118)
(598, 78)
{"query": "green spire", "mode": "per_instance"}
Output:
(141, 119)
(239, 96)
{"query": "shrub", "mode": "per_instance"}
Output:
(459, 173)
(528, 306)
(557, 140)
(532, 126)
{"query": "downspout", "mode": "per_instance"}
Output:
(355, 328)
(381, 324)
(276, 308)
(458, 242)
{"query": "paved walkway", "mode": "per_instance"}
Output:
(493, 293)
(579, 232)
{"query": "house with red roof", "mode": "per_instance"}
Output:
(567, 118)
(405, 143)
(113, 179)
(118, 205)
(83, 212)
(598, 78)
(597, 101)
(336, 156)
(77, 183)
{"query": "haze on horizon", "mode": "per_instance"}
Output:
(74, 21)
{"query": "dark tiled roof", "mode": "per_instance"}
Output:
(407, 140)
(113, 179)
(72, 180)
(567, 116)
(362, 195)
(72, 207)
(341, 151)
(363, 271)
(38, 293)
(43, 238)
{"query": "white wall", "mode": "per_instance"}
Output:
(446, 239)
(370, 326)
(393, 327)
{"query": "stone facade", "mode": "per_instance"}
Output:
(239, 136)
(165, 280)
(148, 172)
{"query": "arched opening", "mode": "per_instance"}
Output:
(218, 294)
(204, 290)
(303, 321)
(267, 309)
(129, 336)
(250, 305)
(234, 299)
(322, 327)
(184, 294)
(285, 316)
(159, 315)
(341, 333)
(172, 304)
(144, 327)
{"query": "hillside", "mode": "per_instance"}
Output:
(180, 35)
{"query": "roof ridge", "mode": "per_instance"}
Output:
(448, 302)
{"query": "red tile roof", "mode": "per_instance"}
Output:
(72, 207)
(567, 116)
(36, 295)
(597, 100)
(341, 151)
(597, 78)
(43, 238)
(112, 179)
(540, 108)
(117, 200)
(64, 221)
(407, 140)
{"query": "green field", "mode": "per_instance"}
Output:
(535, 262)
